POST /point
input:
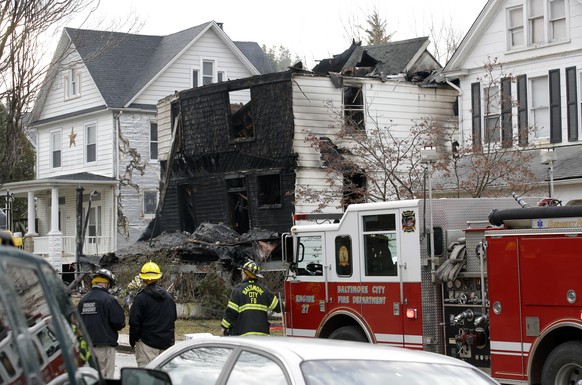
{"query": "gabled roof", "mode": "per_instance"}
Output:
(472, 36)
(122, 64)
(393, 58)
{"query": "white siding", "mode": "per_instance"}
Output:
(135, 130)
(531, 62)
(394, 104)
(73, 155)
(56, 104)
(179, 75)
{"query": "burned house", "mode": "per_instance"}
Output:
(236, 152)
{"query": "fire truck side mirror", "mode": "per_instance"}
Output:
(288, 249)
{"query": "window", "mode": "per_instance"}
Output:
(264, 370)
(353, 103)
(153, 140)
(343, 255)
(200, 365)
(540, 106)
(516, 34)
(269, 190)
(72, 81)
(150, 202)
(492, 113)
(557, 20)
(221, 76)
(242, 125)
(354, 188)
(207, 72)
(536, 22)
(195, 74)
(56, 149)
(380, 244)
(546, 21)
(91, 143)
(310, 255)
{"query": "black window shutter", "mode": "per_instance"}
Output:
(506, 132)
(572, 104)
(555, 107)
(476, 112)
(522, 123)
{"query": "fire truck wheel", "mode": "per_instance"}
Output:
(350, 333)
(564, 364)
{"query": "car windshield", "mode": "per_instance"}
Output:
(360, 372)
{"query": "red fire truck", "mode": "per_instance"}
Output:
(484, 280)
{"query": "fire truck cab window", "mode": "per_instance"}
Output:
(310, 255)
(380, 247)
(343, 255)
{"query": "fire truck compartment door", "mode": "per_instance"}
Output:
(548, 270)
(507, 349)
(308, 291)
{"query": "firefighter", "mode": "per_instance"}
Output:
(249, 304)
(152, 317)
(104, 318)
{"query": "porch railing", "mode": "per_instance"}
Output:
(91, 246)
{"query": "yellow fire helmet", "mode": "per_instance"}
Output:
(150, 271)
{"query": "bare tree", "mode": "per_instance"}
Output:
(498, 160)
(445, 38)
(375, 164)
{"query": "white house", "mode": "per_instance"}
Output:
(537, 45)
(97, 137)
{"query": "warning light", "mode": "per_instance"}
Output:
(411, 313)
(300, 217)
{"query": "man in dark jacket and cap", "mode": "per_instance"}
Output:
(152, 317)
(103, 317)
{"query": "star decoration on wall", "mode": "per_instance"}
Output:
(72, 137)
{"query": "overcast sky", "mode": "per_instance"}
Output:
(311, 29)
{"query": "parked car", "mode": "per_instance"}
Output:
(290, 360)
(42, 339)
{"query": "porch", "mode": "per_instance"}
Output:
(93, 245)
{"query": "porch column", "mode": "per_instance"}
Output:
(55, 237)
(31, 215)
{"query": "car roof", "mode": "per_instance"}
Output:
(316, 349)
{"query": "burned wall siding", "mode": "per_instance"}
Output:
(241, 181)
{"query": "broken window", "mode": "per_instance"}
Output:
(269, 190)
(241, 118)
(353, 102)
(354, 189)
(150, 202)
(238, 204)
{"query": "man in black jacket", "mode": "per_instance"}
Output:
(152, 317)
(103, 318)
(249, 304)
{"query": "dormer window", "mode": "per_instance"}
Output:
(72, 81)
